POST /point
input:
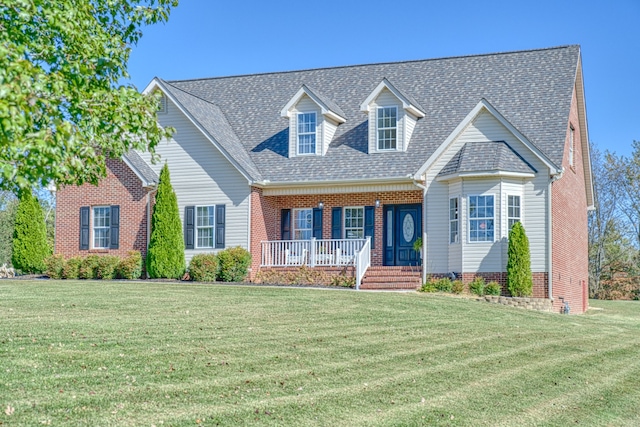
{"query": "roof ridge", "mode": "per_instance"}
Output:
(190, 94)
(409, 61)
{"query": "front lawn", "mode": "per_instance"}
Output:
(101, 353)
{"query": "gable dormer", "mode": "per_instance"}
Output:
(392, 118)
(313, 120)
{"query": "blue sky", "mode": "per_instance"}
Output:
(205, 38)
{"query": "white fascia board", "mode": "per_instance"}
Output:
(364, 107)
(584, 135)
(485, 105)
(286, 110)
(157, 83)
(486, 174)
(279, 184)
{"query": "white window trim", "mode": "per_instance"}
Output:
(93, 227)
(520, 218)
(344, 221)
(397, 128)
(293, 227)
(315, 133)
(469, 219)
(212, 226)
(457, 219)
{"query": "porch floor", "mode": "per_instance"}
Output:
(392, 278)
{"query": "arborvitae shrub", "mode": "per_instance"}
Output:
(106, 267)
(30, 247)
(88, 267)
(54, 265)
(493, 288)
(131, 266)
(204, 268)
(519, 278)
(233, 264)
(71, 268)
(165, 258)
(477, 286)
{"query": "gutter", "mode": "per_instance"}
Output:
(275, 184)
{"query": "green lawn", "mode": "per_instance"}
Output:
(142, 354)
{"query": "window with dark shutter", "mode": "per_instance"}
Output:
(336, 223)
(220, 210)
(317, 223)
(114, 242)
(369, 223)
(84, 228)
(285, 224)
(189, 226)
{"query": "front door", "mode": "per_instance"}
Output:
(402, 226)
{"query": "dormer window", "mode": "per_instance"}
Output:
(307, 133)
(387, 128)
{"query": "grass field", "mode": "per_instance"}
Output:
(169, 354)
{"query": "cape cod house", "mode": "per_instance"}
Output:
(348, 166)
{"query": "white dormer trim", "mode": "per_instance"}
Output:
(484, 105)
(324, 109)
(407, 105)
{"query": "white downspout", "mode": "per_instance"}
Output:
(553, 179)
(424, 229)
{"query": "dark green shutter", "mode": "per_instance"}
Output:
(336, 223)
(285, 224)
(114, 233)
(84, 228)
(317, 223)
(369, 223)
(189, 226)
(220, 211)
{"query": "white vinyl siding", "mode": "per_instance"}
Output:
(202, 176)
(484, 257)
(386, 99)
(101, 227)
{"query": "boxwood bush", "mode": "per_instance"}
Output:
(204, 268)
(233, 264)
(71, 268)
(131, 267)
(54, 266)
(477, 286)
(493, 288)
(106, 267)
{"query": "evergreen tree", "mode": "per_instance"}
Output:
(165, 258)
(30, 247)
(519, 278)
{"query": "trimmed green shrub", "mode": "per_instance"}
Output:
(71, 268)
(130, 267)
(457, 287)
(233, 264)
(54, 266)
(519, 278)
(343, 280)
(203, 268)
(429, 286)
(29, 247)
(493, 288)
(165, 258)
(443, 285)
(106, 267)
(88, 267)
(477, 286)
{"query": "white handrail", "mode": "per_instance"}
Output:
(314, 252)
(363, 261)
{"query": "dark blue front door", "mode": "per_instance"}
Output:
(402, 226)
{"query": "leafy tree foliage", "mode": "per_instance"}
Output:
(62, 110)
(519, 278)
(30, 247)
(165, 258)
(8, 208)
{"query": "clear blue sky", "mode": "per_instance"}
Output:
(206, 38)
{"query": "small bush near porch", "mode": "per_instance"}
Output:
(139, 353)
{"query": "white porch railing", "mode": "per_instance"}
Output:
(318, 252)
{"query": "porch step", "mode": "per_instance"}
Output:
(392, 278)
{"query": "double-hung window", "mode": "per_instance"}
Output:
(302, 224)
(354, 223)
(307, 133)
(454, 220)
(481, 218)
(513, 210)
(101, 226)
(204, 226)
(387, 126)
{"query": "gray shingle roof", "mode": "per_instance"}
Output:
(486, 157)
(329, 103)
(142, 169)
(531, 89)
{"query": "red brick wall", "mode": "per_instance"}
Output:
(569, 225)
(120, 187)
(266, 210)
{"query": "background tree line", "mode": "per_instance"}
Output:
(614, 227)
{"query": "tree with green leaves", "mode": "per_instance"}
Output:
(30, 247)
(519, 278)
(63, 110)
(165, 257)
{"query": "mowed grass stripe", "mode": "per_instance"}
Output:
(145, 353)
